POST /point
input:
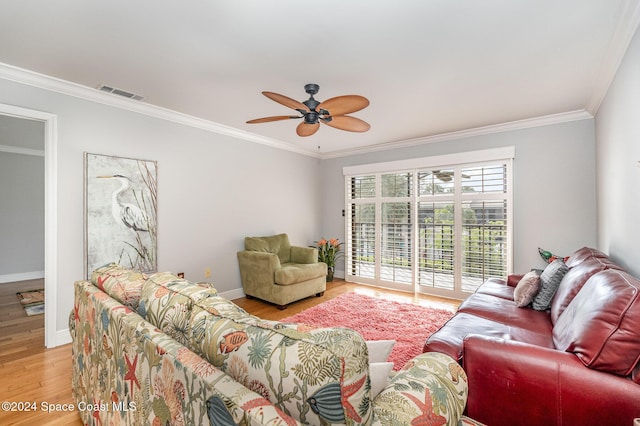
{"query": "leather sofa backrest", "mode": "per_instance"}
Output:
(583, 254)
(601, 323)
(573, 281)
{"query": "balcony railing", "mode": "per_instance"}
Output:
(483, 254)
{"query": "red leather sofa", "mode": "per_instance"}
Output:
(577, 363)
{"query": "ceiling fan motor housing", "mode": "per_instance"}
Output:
(311, 88)
(311, 117)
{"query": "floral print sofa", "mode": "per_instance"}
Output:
(159, 350)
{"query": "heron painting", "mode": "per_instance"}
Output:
(120, 212)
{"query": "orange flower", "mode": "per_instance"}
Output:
(322, 242)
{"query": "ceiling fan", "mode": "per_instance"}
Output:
(331, 112)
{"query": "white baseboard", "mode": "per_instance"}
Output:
(23, 276)
(232, 294)
(62, 338)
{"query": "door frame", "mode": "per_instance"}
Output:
(50, 213)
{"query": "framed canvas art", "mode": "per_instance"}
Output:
(120, 212)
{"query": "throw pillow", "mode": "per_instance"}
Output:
(379, 376)
(379, 350)
(526, 289)
(549, 282)
(256, 244)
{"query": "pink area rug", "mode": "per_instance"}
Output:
(378, 319)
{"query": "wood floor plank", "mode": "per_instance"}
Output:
(29, 372)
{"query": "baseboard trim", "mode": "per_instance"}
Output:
(62, 338)
(232, 294)
(22, 276)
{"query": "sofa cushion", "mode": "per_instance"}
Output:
(293, 273)
(549, 281)
(573, 281)
(450, 338)
(583, 254)
(316, 375)
(601, 323)
(167, 302)
(122, 284)
(526, 289)
(506, 312)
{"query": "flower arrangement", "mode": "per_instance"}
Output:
(329, 251)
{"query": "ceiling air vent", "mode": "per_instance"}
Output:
(120, 92)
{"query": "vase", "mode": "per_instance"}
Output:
(329, 275)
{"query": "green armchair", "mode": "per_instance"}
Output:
(273, 270)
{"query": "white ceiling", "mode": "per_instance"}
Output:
(428, 67)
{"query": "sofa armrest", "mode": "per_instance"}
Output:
(513, 383)
(514, 279)
(431, 384)
(304, 254)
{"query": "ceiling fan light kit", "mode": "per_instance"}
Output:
(332, 112)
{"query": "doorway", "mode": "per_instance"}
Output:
(49, 144)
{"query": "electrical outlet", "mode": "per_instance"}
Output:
(180, 275)
(207, 273)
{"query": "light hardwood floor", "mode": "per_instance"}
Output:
(31, 373)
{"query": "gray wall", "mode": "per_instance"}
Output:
(618, 164)
(554, 186)
(21, 201)
(213, 190)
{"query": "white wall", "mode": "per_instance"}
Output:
(617, 132)
(21, 200)
(213, 190)
(554, 186)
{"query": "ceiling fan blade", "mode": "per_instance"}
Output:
(351, 124)
(274, 118)
(344, 104)
(305, 129)
(286, 101)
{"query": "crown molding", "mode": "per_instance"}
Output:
(24, 151)
(546, 120)
(54, 84)
(42, 81)
(626, 29)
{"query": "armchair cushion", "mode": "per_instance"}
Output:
(278, 244)
(257, 244)
(293, 273)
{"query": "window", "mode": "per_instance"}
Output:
(435, 227)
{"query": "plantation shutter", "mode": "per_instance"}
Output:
(440, 228)
(396, 228)
(361, 224)
(484, 224)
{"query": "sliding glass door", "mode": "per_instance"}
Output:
(440, 230)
